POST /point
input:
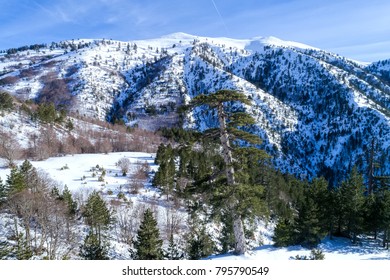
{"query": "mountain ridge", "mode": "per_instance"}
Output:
(316, 111)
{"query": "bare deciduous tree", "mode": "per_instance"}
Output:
(10, 149)
(139, 177)
(173, 221)
(42, 219)
(124, 165)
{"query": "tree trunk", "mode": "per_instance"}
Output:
(238, 227)
(239, 235)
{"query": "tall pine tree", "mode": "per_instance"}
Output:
(229, 133)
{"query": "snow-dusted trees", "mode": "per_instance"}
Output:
(199, 242)
(319, 211)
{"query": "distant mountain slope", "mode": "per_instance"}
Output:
(316, 111)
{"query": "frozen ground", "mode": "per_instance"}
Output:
(338, 249)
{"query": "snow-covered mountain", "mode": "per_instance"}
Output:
(316, 111)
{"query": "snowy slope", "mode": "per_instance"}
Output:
(316, 111)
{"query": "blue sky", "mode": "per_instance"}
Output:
(354, 28)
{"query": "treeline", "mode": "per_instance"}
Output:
(34, 47)
(73, 137)
(59, 133)
(348, 210)
(306, 211)
(71, 45)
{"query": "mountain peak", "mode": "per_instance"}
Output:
(179, 36)
(274, 41)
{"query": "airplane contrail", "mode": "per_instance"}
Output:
(220, 16)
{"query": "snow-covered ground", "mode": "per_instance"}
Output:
(334, 250)
(76, 171)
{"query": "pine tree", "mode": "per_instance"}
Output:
(351, 203)
(20, 178)
(67, 197)
(3, 192)
(372, 212)
(165, 176)
(69, 125)
(55, 193)
(319, 192)
(315, 254)
(230, 132)
(227, 236)
(160, 155)
(164, 153)
(199, 242)
(148, 245)
(283, 233)
(173, 251)
(382, 213)
(46, 113)
(22, 249)
(184, 159)
(26, 167)
(5, 250)
(307, 225)
(93, 249)
(6, 101)
(97, 215)
(15, 182)
(376, 180)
